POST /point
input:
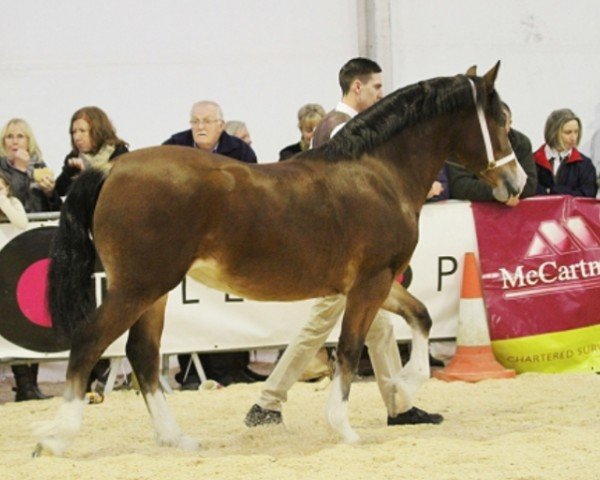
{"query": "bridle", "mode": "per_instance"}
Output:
(492, 162)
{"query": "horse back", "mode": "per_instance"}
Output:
(261, 231)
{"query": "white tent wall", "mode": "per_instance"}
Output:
(550, 53)
(146, 61)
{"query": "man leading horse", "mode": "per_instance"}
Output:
(360, 80)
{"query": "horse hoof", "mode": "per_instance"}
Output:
(37, 451)
(49, 446)
(350, 438)
(182, 442)
(188, 443)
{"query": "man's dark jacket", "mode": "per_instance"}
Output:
(228, 145)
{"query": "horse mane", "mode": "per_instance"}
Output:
(402, 109)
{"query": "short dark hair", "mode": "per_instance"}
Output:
(361, 68)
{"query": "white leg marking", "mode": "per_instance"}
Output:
(55, 435)
(167, 431)
(337, 412)
(415, 372)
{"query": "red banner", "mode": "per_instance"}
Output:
(540, 266)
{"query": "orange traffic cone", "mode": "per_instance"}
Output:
(474, 359)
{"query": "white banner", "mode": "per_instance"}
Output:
(201, 319)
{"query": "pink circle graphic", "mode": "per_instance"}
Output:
(31, 293)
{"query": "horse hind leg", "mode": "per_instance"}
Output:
(416, 371)
(142, 349)
(361, 307)
(109, 321)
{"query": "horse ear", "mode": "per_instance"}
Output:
(472, 71)
(490, 77)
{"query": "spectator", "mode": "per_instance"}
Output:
(595, 155)
(238, 129)
(361, 84)
(11, 208)
(561, 168)
(465, 185)
(309, 116)
(208, 133)
(20, 162)
(94, 143)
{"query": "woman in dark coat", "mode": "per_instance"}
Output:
(561, 168)
(308, 118)
(94, 144)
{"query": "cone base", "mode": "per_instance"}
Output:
(473, 364)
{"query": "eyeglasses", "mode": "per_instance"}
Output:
(204, 121)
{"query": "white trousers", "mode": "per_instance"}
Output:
(380, 340)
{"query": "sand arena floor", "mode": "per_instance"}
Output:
(532, 427)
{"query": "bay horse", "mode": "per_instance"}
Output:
(342, 218)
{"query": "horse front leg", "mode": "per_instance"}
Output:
(363, 302)
(416, 371)
(143, 351)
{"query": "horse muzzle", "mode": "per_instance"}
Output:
(508, 179)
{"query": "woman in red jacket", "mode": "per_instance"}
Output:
(561, 168)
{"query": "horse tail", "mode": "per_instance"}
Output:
(73, 255)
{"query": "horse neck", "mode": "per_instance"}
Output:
(417, 154)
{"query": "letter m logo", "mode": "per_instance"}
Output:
(553, 238)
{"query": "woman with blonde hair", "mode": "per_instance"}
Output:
(308, 118)
(21, 161)
(94, 143)
(25, 176)
(561, 168)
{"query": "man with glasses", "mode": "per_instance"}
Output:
(208, 133)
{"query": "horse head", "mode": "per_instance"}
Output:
(487, 151)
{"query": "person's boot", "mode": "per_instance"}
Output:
(24, 386)
(34, 375)
(27, 388)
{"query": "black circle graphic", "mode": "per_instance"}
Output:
(16, 256)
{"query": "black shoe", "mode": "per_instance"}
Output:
(261, 416)
(41, 395)
(434, 362)
(30, 392)
(240, 376)
(254, 375)
(415, 416)
(190, 385)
